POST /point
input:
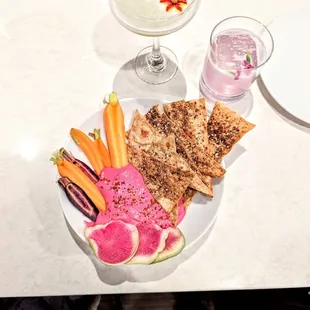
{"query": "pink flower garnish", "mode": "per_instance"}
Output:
(237, 75)
(247, 65)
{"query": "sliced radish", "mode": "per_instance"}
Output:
(114, 243)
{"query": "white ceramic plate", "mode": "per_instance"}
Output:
(202, 212)
(286, 75)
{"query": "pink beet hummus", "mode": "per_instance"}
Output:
(128, 199)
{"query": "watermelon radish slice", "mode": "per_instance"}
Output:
(152, 241)
(175, 243)
(114, 243)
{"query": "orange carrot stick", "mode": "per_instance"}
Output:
(87, 146)
(75, 175)
(115, 131)
(104, 153)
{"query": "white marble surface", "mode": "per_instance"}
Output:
(58, 59)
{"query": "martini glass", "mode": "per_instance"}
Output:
(154, 18)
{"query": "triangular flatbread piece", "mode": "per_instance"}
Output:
(141, 134)
(166, 146)
(195, 156)
(191, 116)
(165, 150)
(156, 117)
(166, 182)
(225, 129)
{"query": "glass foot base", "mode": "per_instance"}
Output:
(153, 73)
(208, 93)
(242, 104)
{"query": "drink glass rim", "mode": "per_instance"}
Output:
(255, 20)
(170, 17)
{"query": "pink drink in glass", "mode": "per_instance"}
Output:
(231, 62)
(239, 48)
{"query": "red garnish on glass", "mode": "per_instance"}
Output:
(177, 4)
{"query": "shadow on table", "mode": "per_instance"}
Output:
(193, 62)
(127, 84)
(115, 275)
(233, 155)
(292, 120)
(111, 48)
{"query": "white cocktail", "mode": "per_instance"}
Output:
(154, 18)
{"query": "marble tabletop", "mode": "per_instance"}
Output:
(58, 59)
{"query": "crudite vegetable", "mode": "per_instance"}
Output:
(115, 132)
(79, 198)
(87, 146)
(68, 170)
(81, 165)
(104, 153)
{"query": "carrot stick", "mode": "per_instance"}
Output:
(87, 146)
(76, 176)
(104, 153)
(115, 131)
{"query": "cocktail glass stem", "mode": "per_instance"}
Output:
(156, 60)
(156, 64)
